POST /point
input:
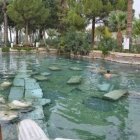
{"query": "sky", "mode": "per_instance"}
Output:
(136, 6)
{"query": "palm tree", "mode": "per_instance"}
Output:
(129, 18)
(117, 22)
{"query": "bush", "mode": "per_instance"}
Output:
(75, 42)
(5, 49)
(107, 44)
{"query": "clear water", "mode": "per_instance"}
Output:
(78, 111)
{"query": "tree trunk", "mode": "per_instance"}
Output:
(5, 24)
(40, 34)
(10, 30)
(93, 30)
(119, 39)
(16, 36)
(129, 19)
(26, 34)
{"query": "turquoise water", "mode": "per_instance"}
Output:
(78, 111)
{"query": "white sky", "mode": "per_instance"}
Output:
(136, 6)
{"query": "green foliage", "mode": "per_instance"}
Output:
(103, 32)
(75, 19)
(92, 8)
(27, 11)
(117, 20)
(135, 49)
(136, 27)
(106, 45)
(76, 42)
(5, 49)
(53, 38)
(121, 5)
(28, 14)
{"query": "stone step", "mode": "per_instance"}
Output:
(33, 93)
(18, 82)
(16, 93)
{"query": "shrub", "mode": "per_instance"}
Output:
(5, 49)
(75, 42)
(107, 44)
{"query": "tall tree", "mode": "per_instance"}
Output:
(5, 23)
(27, 13)
(92, 9)
(117, 22)
(129, 19)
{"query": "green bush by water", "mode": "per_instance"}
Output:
(5, 49)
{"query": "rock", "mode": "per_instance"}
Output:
(41, 101)
(5, 84)
(54, 68)
(75, 68)
(74, 80)
(115, 94)
(6, 116)
(2, 100)
(40, 77)
(19, 104)
(45, 73)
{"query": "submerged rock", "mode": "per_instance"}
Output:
(45, 73)
(75, 68)
(19, 104)
(40, 77)
(54, 68)
(99, 104)
(75, 80)
(115, 94)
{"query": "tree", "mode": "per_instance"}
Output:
(117, 22)
(75, 17)
(27, 13)
(92, 9)
(136, 27)
(129, 19)
(5, 23)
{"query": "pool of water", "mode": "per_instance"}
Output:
(79, 111)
